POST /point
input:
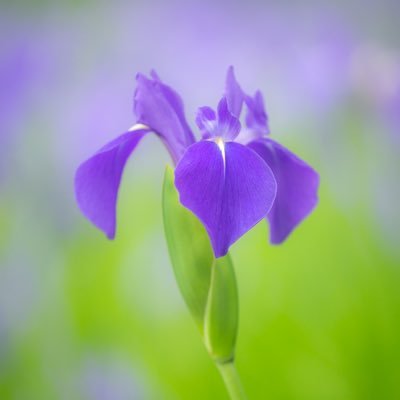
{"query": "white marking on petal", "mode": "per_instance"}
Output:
(221, 144)
(137, 127)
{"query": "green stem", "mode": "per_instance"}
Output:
(231, 380)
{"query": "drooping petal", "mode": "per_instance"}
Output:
(233, 93)
(160, 107)
(228, 125)
(206, 120)
(297, 189)
(97, 180)
(227, 186)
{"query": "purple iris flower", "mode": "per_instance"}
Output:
(230, 179)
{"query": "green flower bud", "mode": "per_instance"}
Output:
(207, 284)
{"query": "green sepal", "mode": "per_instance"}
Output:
(221, 317)
(189, 249)
(207, 284)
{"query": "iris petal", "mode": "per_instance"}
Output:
(206, 120)
(225, 126)
(161, 108)
(256, 117)
(97, 180)
(297, 188)
(233, 93)
(228, 125)
(227, 186)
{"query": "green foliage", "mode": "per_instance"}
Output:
(320, 315)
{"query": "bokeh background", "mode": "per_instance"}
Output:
(85, 318)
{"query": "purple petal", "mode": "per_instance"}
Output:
(234, 93)
(97, 180)
(227, 186)
(206, 120)
(256, 118)
(297, 188)
(161, 109)
(228, 125)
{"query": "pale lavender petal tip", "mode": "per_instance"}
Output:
(227, 186)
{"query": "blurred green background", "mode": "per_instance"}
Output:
(85, 318)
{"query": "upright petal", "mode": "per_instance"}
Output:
(228, 125)
(160, 107)
(97, 180)
(206, 120)
(233, 93)
(257, 118)
(223, 125)
(227, 186)
(297, 188)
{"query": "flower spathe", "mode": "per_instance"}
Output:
(232, 178)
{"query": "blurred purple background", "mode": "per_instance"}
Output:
(330, 75)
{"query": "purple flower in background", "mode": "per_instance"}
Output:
(230, 179)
